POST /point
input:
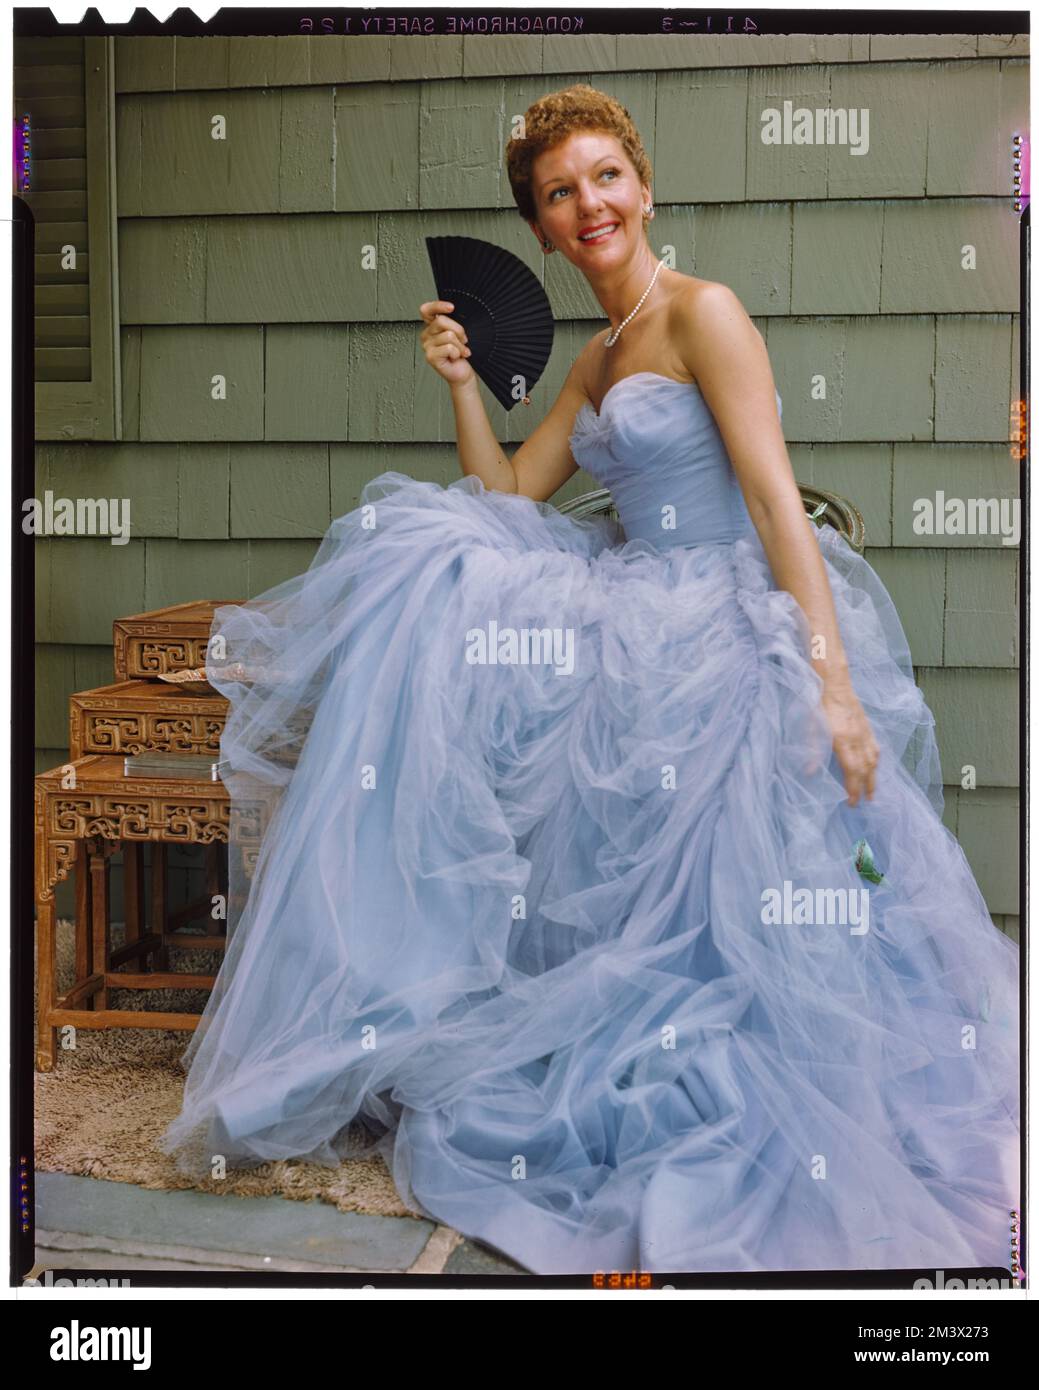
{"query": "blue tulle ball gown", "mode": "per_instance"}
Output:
(560, 908)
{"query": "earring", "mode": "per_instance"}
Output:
(546, 246)
(648, 212)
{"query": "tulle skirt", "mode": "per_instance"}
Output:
(560, 906)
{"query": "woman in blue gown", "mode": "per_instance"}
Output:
(560, 906)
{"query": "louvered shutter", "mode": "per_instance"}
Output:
(64, 86)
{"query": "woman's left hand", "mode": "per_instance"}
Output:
(857, 750)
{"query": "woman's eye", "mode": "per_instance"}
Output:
(562, 187)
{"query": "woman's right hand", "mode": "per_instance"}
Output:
(445, 343)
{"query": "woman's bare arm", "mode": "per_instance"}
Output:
(541, 464)
(446, 347)
(479, 453)
(725, 352)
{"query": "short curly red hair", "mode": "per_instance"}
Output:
(552, 119)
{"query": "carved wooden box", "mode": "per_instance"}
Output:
(149, 645)
(134, 716)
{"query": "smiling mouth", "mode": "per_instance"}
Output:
(601, 235)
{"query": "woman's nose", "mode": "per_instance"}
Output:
(589, 202)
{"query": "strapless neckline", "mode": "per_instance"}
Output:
(634, 376)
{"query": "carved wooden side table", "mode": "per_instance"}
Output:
(137, 716)
(85, 810)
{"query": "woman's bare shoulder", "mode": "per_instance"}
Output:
(703, 314)
(693, 295)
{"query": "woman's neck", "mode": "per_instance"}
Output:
(620, 295)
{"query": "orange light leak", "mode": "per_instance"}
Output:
(1019, 429)
(618, 1279)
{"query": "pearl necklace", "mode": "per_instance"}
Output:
(614, 336)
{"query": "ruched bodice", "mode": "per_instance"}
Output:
(664, 461)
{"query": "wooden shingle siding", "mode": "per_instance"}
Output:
(887, 379)
(289, 260)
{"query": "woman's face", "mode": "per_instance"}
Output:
(587, 182)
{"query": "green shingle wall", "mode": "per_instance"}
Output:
(289, 260)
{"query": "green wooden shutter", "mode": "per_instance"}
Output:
(66, 87)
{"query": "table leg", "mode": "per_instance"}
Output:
(133, 889)
(214, 888)
(162, 955)
(100, 910)
(83, 918)
(46, 1035)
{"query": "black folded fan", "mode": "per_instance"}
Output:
(501, 305)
